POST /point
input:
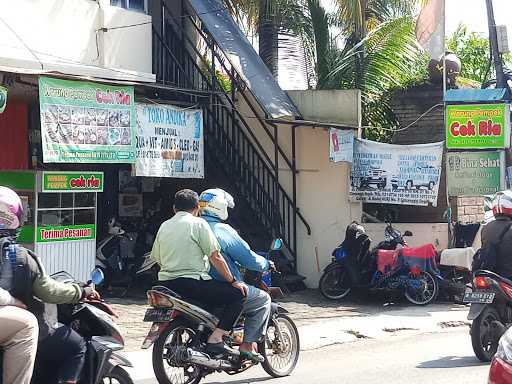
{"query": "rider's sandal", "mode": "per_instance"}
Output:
(254, 357)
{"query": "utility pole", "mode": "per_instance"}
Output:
(493, 37)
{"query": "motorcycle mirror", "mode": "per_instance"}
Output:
(277, 245)
(408, 233)
(97, 276)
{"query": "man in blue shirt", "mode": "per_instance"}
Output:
(214, 209)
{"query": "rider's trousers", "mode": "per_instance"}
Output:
(257, 314)
(18, 339)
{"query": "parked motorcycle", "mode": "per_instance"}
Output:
(391, 265)
(120, 256)
(181, 327)
(455, 268)
(93, 321)
(491, 312)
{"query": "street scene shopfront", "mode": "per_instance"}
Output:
(98, 154)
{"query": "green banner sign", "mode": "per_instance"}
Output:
(478, 126)
(72, 182)
(51, 234)
(475, 173)
(83, 122)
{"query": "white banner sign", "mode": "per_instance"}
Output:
(169, 142)
(341, 145)
(396, 174)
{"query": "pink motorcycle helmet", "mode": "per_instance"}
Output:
(11, 209)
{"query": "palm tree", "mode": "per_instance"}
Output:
(268, 19)
(364, 44)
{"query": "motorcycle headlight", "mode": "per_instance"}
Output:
(505, 348)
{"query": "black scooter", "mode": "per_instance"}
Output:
(93, 321)
(491, 312)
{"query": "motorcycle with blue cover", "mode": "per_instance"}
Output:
(390, 266)
(181, 327)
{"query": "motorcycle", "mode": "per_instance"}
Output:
(490, 312)
(119, 256)
(390, 266)
(93, 321)
(181, 327)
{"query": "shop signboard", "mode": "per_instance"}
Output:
(50, 234)
(60, 182)
(169, 142)
(341, 145)
(475, 173)
(84, 122)
(396, 174)
(478, 126)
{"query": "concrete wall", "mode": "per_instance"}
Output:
(330, 106)
(424, 233)
(68, 33)
(322, 186)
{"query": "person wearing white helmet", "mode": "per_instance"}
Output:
(497, 234)
(214, 205)
(60, 350)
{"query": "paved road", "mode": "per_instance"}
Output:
(435, 358)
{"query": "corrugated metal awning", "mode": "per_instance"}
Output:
(476, 95)
(274, 101)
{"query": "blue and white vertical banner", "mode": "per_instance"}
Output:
(396, 174)
(341, 145)
(169, 142)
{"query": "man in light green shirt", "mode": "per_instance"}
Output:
(184, 248)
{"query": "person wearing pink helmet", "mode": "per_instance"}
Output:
(61, 351)
(19, 330)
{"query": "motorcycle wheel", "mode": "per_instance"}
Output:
(118, 376)
(167, 369)
(331, 284)
(281, 356)
(426, 292)
(481, 334)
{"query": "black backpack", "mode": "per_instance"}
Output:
(487, 256)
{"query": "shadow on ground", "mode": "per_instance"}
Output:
(452, 362)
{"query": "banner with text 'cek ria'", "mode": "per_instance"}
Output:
(396, 174)
(84, 122)
(169, 142)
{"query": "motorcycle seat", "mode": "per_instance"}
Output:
(216, 311)
(166, 291)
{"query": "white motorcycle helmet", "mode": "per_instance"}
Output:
(215, 202)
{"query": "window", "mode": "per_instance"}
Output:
(66, 209)
(134, 5)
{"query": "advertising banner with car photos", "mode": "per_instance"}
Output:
(396, 174)
(84, 122)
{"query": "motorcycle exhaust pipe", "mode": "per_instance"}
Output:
(203, 359)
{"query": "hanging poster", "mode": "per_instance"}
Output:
(396, 174)
(478, 126)
(169, 142)
(341, 145)
(130, 205)
(83, 122)
(475, 173)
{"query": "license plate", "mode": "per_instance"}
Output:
(158, 315)
(479, 297)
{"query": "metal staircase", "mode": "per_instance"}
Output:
(230, 142)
